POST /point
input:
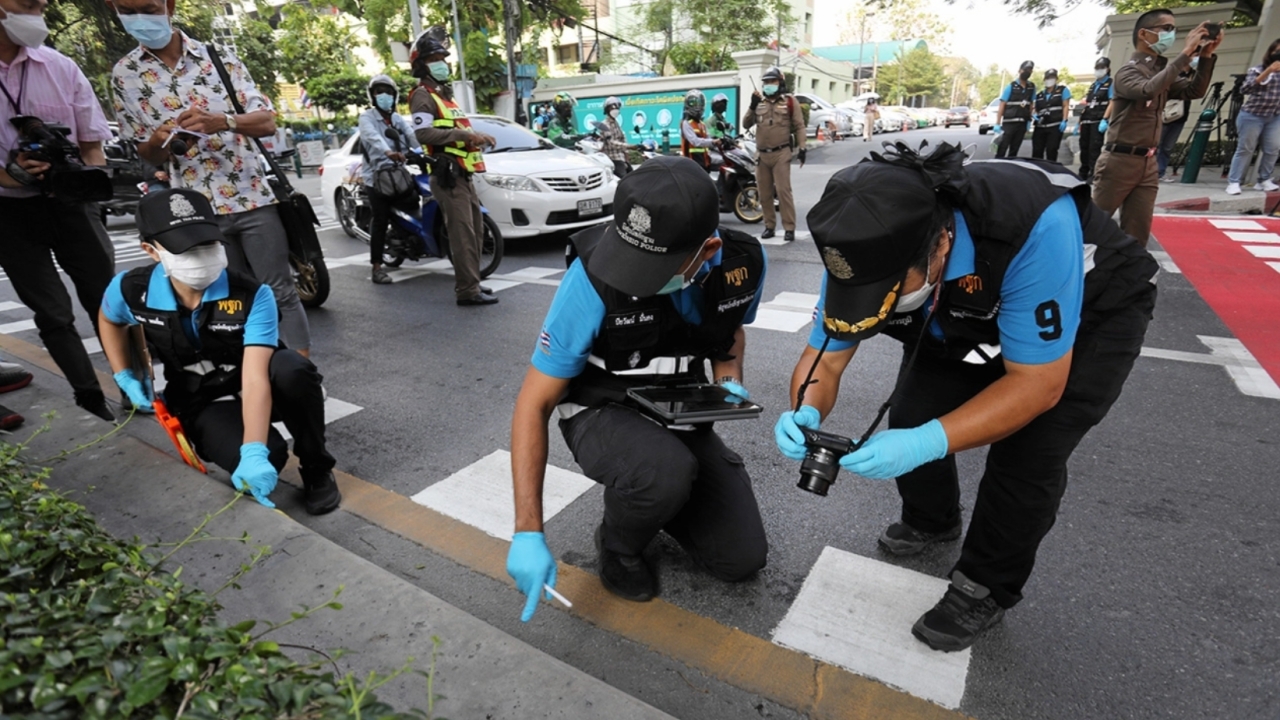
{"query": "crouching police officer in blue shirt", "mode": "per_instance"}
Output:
(1021, 307)
(217, 333)
(650, 298)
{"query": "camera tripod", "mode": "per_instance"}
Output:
(1224, 123)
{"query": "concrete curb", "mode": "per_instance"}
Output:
(134, 489)
(1246, 203)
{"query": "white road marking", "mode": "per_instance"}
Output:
(1264, 251)
(334, 410)
(1166, 262)
(1237, 225)
(481, 495)
(19, 326)
(534, 272)
(1253, 237)
(92, 345)
(1245, 371)
(8, 305)
(801, 302)
(789, 321)
(857, 613)
(357, 259)
(1275, 266)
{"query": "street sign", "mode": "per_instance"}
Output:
(653, 113)
(311, 153)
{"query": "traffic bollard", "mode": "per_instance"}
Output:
(1199, 143)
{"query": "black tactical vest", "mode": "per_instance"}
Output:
(1021, 98)
(1099, 97)
(635, 331)
(221, 333)
(1049, 106)
(1004, 201)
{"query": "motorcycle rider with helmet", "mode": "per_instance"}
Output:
(614, 137)
(379, 153)
(718, 126)
(695, 143)
(446, 133)
(562, 130)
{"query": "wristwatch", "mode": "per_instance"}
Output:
(231, 122)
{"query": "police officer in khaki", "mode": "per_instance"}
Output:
(780, 130)
(1126, 175)
(446, 134)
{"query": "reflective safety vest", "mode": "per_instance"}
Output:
(1098, 99)
(697, 154)
(1049, 106)
(447, 117)
(1021, 98)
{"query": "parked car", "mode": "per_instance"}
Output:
(896, 119)
(824, 114)
(987, 118)
(530, 187)
(958, 115)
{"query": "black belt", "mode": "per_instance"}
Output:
(1129, 149)
(774, 149)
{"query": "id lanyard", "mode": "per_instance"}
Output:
(22, 88)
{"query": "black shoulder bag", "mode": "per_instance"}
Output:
(297, 215)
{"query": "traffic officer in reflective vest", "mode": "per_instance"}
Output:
(446, 133)
(1014, 113)
(695, 142)
(217, 332)
(1021, 308)
(652, 297)
(1093, 122)
(780, 135)
(1052, 108)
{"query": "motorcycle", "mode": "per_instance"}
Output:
(736, 166)
(129, 179)
(417, 230)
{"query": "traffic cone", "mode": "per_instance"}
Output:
(820, 138)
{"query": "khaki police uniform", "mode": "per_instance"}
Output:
(445, 133)
(1126, 175)
(780, 131)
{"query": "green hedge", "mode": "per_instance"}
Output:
(93, 629)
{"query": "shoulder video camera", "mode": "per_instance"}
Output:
(67, 177)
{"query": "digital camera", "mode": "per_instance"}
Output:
(67, 177)
(822, 460)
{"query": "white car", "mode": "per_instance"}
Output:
(987, 118)
(530, 186)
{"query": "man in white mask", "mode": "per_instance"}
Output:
(614, 137)
(217, 333)
(39, 82)
(980, 270)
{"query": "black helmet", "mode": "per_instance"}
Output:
(564, 104)
(774, 73)
(695, 104)
(382, 80)
(1104, 63)
(719, 103)
(1027, 66)
(432, 41)
(1051, 73)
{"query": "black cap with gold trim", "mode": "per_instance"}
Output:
(872, 220)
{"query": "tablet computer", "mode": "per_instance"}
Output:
(691, 404)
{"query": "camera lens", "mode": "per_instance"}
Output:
(818, 471)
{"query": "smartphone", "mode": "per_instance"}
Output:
(1212, 30)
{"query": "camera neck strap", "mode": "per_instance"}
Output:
(22, 89)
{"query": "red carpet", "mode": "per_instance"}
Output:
(1241, 288)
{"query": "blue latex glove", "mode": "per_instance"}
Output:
(255, 474)
(997, 129)
(891, 453)
(531, 565)
(787, 431)
(1102, 127)
(138, 391)
(737, 392)
(1062, 126)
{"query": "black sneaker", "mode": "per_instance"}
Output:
(322, 495)
(768, 233)
(94, 402)
(789, 236)
(902, 539)
(959, 617)
(13, 377)
(627, 576)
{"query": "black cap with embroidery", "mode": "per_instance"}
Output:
(872, 220)
(177, 220)
(662, 212)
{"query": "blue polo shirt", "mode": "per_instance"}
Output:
(578, 311)
(1040, 297)
(262, 327)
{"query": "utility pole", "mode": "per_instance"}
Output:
(415, 18)
(779, 36)
(511, 14)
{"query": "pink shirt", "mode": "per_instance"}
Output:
(54, 90)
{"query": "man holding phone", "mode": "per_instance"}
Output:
(1126, 176)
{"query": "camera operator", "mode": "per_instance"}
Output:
(1126, 176)
(167, 85)
(41, 84)
(1259, 120)
(651, 297)
(1012, 338)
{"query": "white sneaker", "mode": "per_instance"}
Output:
(1267, 186)
(1233, 188)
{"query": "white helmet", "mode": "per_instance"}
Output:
(382, 80)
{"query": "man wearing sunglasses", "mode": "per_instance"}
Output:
(1126, 175)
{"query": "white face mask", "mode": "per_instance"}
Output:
(915, 300)
(1050, 83)
(613, 114)
(1099, 74)
(25, 30)
(196, 268)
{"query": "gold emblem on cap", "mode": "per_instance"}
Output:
(840, 326)
(836, 264)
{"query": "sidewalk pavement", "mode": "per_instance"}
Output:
(1209, 195)
(135, 489)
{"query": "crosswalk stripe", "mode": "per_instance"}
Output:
(334, 410)
(19, 326)
(8, 305)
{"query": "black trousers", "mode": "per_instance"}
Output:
(1045, 143)
(685, 482)
(381, 206)
(217, 429)
(1011, 135)
(37, 230)
(1090, 148)
(621, 168)
(1026, 473)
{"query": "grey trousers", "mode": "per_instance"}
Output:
(256, 244)
(465, 227)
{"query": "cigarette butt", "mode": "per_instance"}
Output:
(557, 595)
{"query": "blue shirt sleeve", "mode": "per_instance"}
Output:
(818, 335)
(1111, 91)
(1004, 94)
(262, 327)
(1066, 93)
(113, 305)
(570, 328)
(1043, 289)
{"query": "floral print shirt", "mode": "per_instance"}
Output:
(223, 166)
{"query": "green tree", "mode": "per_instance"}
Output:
(718, 30)
(256, 47)
(917, 74)
(338, 90)
(897, 20)
(700, 57)
(312, 44)
(992, 83)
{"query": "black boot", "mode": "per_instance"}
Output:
(627, 576)
(322, 494)
(768, 233)
(94, 402)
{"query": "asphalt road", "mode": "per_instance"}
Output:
(1153, 597)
